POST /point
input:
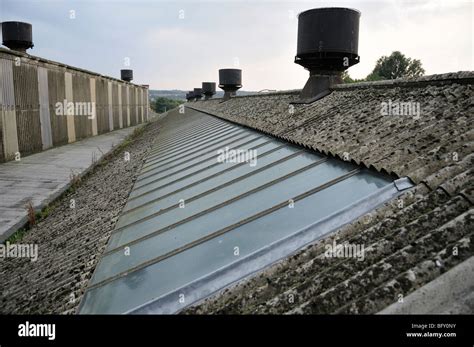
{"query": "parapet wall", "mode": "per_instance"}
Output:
(45, 104)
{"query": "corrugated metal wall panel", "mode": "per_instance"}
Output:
(101, 106)
(128, 106)
(140, 92)
(71, 128)
(34, 98)
(45, 118)
(8, 133)
(133, 106)
(147, 103)
(110, 108)
(94, 103)
(57, 94)
(25, 85)
(137, 101)
(120, 107)
(82, 101)
(115, 106)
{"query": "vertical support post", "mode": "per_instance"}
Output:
(45, 117)
(71, 129)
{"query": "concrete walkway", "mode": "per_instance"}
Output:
(42, 177)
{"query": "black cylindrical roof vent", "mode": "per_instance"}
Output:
(328, 43)
(197, 93)
(230, 80)
(190, 95)
(126, 75)
(17, 36)
(208, 89)
(328, 38)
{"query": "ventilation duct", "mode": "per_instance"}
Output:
(17, 36)
(208, 89)
(126, 75)
(230, 80)
(328, 40)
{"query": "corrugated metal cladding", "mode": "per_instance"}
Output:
(31, 90)
(215, 202)
(125, 108)
(82, 94)
(25, 86)
(133, 107)
(7, 100)
(57, 93)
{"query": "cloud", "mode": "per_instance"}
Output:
(168, 51)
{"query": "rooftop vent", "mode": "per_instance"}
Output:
(328, 41)
(230, 80)
(208, 89)
(126, 75)
(17, 36)
(198, 93)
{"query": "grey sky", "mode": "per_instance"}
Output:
(168, 51)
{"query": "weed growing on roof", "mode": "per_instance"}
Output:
(30, 213)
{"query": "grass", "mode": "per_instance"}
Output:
(75, 182)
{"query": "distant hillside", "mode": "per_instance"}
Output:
(181, 94)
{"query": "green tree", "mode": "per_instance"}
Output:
(396, 65)
(162, 104)
(346, 78)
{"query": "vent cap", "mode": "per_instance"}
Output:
(328, 43)
(328, 39)
(126, 75)
(230, 80)
(17, 36)
(208, 89)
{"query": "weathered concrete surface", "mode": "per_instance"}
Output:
(450, 293)
(42, 177)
